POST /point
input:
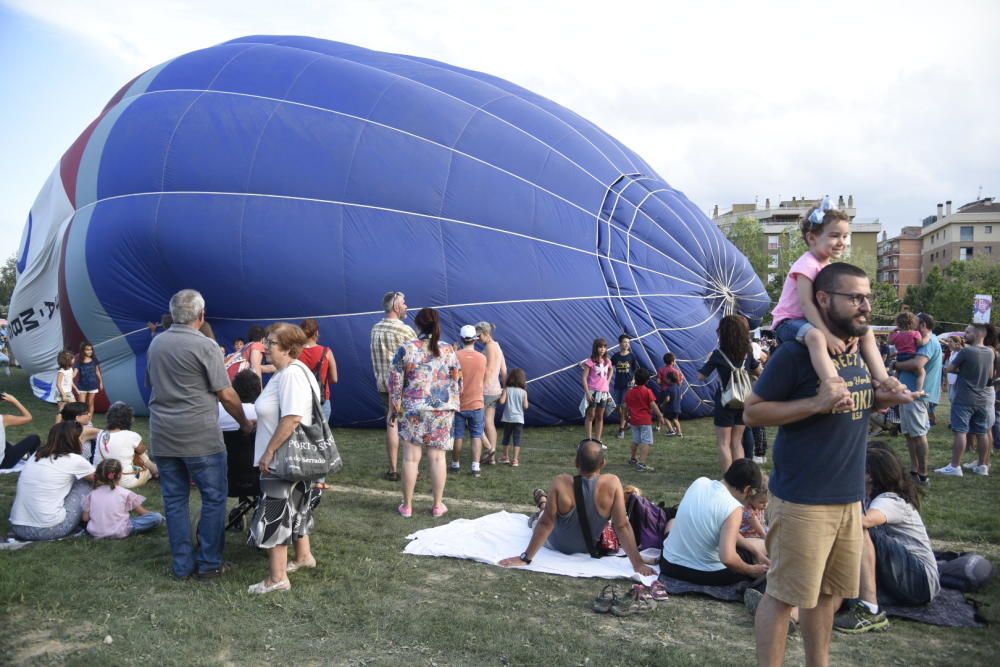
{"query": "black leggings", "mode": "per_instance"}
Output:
(14, 453)
(723, 577)
(510, 428)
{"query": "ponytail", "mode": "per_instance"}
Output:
(429, 323)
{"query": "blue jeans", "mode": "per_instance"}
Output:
(145, 522)
(209, 475)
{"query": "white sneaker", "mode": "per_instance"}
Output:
(950, 470)
(621, 434)
(971, 465)
(983, 470)
(759, 460)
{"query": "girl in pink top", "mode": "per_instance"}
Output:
(796, 317)
(597, 374)
(107, 509)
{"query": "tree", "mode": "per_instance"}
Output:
(747, 234)
(8, 277)
(885, 303)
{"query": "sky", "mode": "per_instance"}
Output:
(896, 103)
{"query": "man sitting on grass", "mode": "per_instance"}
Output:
(559, 528)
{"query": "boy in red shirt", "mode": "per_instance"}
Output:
(641, 404)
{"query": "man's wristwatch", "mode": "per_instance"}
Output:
(524, 557)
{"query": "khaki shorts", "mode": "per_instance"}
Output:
(814, 550)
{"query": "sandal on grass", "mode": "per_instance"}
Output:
(606, 599)
(658, 591)
(633, 604)
(295, 565)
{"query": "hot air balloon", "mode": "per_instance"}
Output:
(291, 177)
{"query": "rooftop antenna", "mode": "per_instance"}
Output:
(979, 195)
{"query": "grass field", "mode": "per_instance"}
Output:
(368, 604)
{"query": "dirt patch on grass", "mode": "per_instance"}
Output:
(40, 645)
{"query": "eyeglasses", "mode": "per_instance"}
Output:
(269, 342)
(854, 299)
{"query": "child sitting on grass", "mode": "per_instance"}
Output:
(642, 406)
(754, 524)
(107, 509)
(514, 398)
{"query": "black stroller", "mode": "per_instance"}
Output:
(244, 478)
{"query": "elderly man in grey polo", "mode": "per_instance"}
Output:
(387, 335)
(187, 379)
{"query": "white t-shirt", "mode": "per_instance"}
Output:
(289, 392)
(64, 382)
(694, 540)
(42, 488)
(226, 421)
(118, 445)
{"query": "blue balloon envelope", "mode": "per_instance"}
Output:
(291, 177)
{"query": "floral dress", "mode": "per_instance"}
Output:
(428, 389)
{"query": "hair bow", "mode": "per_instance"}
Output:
(816, 217)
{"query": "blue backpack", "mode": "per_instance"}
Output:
(648, 520)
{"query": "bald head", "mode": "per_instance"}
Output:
(589, 456)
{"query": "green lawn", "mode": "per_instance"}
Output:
(367, 603)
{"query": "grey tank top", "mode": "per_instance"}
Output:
(567, 537)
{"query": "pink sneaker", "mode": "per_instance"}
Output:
(404, 511)
(439, 510)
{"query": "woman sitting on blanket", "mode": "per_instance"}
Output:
(898, 566)
(704, 545)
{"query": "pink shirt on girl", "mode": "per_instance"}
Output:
(789, 307)
(109, 511)
(598, 374)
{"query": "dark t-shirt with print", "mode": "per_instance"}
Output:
(821, 459)
(625, 367)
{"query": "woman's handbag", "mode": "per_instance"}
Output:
(310, 453)
(737, 390)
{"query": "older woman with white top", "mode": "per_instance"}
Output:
(48, 503)
(493, 381)
(285, 512)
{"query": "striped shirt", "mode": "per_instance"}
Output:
(387, 336)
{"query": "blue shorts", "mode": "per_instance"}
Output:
(969, 418)
(642, 435)
(474, 418)
(619, 395)
(790, 330)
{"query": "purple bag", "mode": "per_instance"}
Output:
(648, 520)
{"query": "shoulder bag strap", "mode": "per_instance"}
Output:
(317, 409)
(723, 354)
(583, 518)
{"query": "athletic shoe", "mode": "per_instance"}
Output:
(983, 470)
(476, 472)
(971, 465)
(759, 460)
(642, 467)
(950, 470)
(455, 467)
(404, 511)
(632, 461)
(858, 619)
(621, 434)
(439, 510)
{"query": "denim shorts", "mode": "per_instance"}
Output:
(475, 420)
(790, 330)
(969, 418)
(642, 435)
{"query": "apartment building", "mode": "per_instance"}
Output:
(899, 259)
(971, 231)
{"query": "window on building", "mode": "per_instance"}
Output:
(964, 254)
(989, 250)
(772, 261)
(773, 241)
(965, 233)
(989, 229)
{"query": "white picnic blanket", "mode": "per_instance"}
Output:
(491, 538)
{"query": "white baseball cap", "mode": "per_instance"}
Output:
(468, 332)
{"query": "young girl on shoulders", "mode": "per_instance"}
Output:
(515, 399)
(597, 375)
(107, 509)
(87, 377)
(796, 317)
(64, 379)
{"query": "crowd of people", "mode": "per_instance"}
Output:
(799, 538)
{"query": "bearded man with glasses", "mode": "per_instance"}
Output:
(815, 541)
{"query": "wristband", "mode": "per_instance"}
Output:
(524, 557)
